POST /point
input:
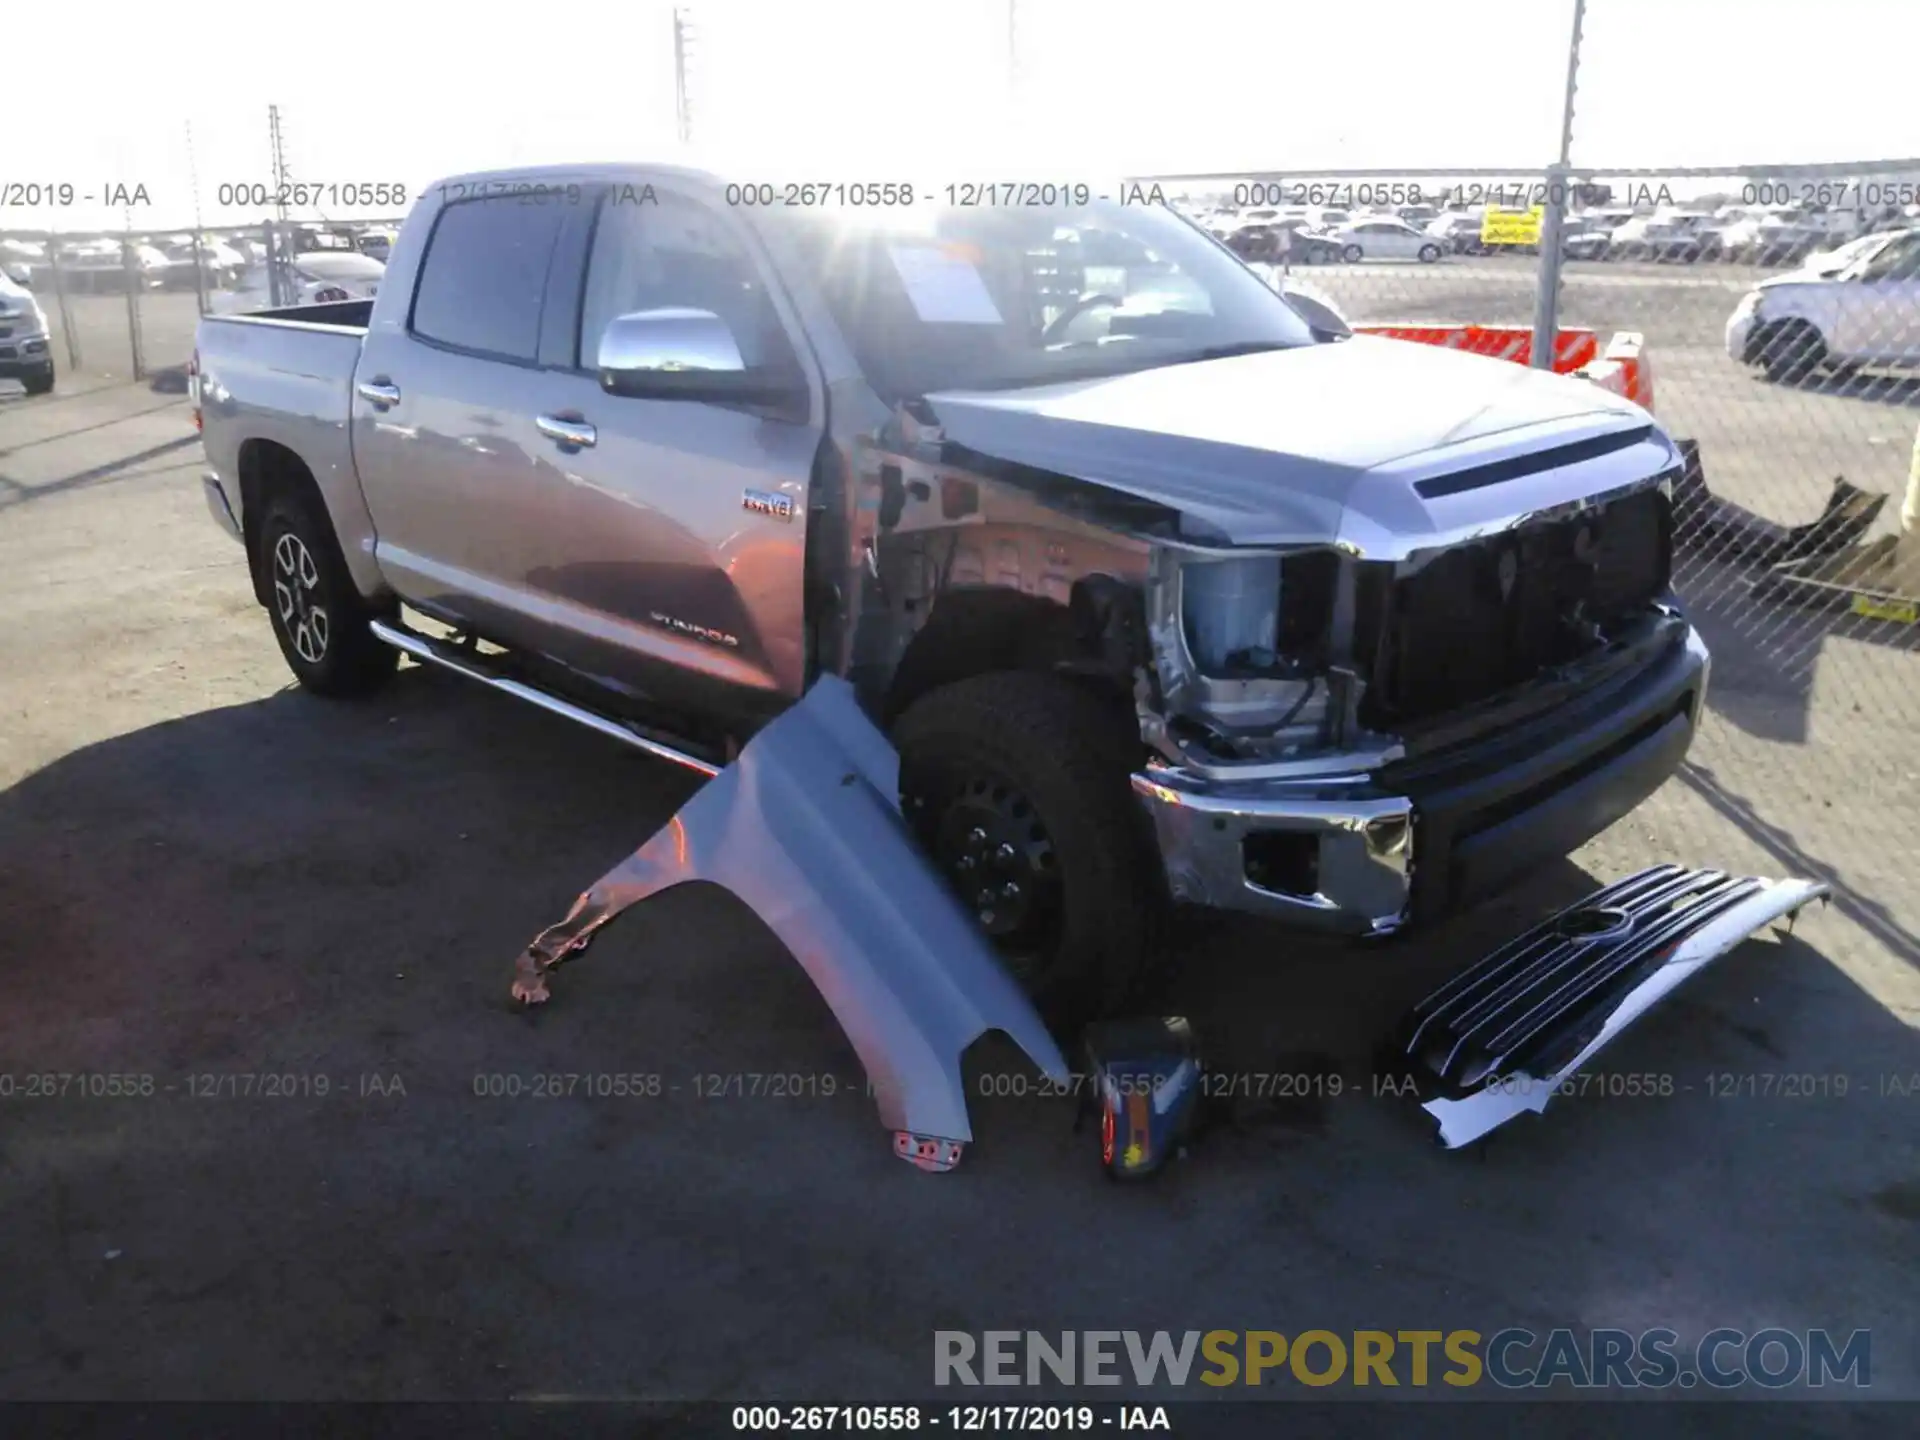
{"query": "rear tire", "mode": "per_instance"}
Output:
(1017, 784)
(318, 617)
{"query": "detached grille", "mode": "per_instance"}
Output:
(1486, 616)
(1535, 1003)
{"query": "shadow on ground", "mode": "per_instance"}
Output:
(254, 904)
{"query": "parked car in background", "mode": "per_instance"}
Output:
(1259, 242)
(1685, 235)
(1590, 237)
(103, 266)
(1458, 233)
(317, 277)
(1384, 237)
(1768, 240)
(221, 266)
(1859, 307)
(1418, 216)
(26, 346)
(20, 258)
(377, 244)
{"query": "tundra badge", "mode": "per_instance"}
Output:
(767, 502)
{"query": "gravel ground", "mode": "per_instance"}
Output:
(206, 874)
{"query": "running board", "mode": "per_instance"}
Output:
(461, 661)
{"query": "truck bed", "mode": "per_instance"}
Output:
(335, 315)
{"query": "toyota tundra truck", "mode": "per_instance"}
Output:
(1165, 588)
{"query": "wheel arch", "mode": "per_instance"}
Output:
(980, 629)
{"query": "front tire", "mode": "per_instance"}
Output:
(1353, 254)
(1017, 784)
(40, 382)
(1429, 254)
(1792, 353)
(318, 617)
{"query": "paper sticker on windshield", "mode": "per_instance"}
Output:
(944, 288)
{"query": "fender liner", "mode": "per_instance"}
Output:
(804, 827)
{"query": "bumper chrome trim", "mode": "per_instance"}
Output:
(1363, 880)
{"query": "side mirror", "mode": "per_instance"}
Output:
(684, 354)
(1321, 317)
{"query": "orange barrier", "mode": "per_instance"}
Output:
(1572, 350)
(1622, 368)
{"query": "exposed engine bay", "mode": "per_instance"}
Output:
(1264, 657)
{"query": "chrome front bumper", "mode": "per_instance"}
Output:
(1365, 853)
(1362, 870)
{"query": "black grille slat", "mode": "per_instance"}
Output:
(1480, 618)
(1545, 992)
(1521, 1033)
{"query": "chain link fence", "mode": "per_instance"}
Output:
(1771, 320)
(123, 305)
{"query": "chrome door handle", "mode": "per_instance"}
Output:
(574, 433)
(379, 393)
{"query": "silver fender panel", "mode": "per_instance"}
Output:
(805, 828)
(1499, 1039)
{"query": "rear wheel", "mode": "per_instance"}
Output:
(318, 616)
(1017, 784)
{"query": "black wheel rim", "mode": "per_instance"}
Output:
(990, 843)
(298, 603)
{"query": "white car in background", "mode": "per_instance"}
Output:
(1383, 237)
(1858, 306)
(26, 347)
(313, 278)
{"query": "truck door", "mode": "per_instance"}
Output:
(443, 434)
(686, 521)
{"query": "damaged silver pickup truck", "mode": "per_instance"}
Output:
(1163, 587)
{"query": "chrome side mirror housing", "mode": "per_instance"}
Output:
(673, 341)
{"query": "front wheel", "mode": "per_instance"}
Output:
(1017, 784)
(318, 616)
(40, 382)
(1353, 254)
(1429, 254)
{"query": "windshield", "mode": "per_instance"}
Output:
(1832, 262)
(1004, 297)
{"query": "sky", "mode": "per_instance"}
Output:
(408, 91)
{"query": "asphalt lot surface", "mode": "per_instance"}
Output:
(206, 876)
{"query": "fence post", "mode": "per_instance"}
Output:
(60, 300)
(1546, 303)
(134, 280)
(1546, 300)
(199, 274)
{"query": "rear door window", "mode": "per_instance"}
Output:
(484, 277)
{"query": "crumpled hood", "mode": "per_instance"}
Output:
(1316, 444)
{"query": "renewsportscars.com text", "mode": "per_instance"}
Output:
(1513, 1358)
